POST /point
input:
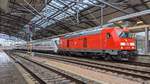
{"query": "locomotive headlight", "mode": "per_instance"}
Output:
(132, 44)
(122, 43)
(133, 47)
(121, 47)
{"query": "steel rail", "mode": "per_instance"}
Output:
(29, 71)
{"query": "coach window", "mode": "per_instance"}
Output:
(108, 35)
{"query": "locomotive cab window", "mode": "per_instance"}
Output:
(126, 35)
(108, 35)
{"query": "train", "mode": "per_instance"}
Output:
(108, 43)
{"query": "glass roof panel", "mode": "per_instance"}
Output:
(48, 10)
(56, 3)
(43, 25)
(71, 11)
(88, 1)
(63, 15)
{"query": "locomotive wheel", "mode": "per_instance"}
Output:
(114, 57)
(64, 53)
(107, 57)
(67, 53)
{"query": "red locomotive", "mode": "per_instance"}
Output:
(108, 42)
(111, 42)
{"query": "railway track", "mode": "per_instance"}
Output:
(134, 63)
(101, 60)
(44, 74)
(131, 71)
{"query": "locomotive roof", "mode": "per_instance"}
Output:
(95, 29)
(86, 32)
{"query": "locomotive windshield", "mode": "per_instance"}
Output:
(125, 35)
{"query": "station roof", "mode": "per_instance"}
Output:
(53, 17)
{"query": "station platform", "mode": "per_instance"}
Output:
(9, 74)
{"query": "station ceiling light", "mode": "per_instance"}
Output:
(139, 22)
(120, 22)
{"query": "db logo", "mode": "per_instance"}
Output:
(127, 44)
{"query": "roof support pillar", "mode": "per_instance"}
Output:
(146, 40)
